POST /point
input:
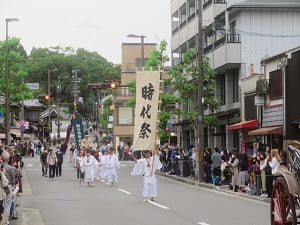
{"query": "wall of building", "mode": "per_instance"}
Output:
(131, 51)
(275, 24)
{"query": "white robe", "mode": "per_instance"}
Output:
(89, 166)
(143, 167)
(112, 165)
(102, 171)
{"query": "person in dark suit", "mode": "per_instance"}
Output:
(60, 159)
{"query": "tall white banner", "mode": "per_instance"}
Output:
(147, 96)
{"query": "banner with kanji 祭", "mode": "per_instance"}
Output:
(146, 111)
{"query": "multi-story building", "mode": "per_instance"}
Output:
(123, 123)
(237, 35)
(280, 120)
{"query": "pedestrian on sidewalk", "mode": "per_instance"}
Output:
(147, 167)
(51, 161)
(112, 165)
(262, 165)
(216, 159)
(235, 163)
(208, 162)
(243, 170)
(43, 160)
(10, 172)
(60, 160)
(89, 166)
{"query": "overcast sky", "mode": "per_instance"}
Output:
(96, 25)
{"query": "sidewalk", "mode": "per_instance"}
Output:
(223, 188)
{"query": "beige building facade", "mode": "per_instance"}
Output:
(123, 123)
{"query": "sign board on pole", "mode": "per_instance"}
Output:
(110, 118)
(147, 95)
(1, 114)
(259, 100)
(33, 86)
(78, 131)
(110, 125)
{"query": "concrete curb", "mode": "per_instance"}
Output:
(211, 187)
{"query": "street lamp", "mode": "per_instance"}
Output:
(142, 37)
(7, 130)
(49, 99)
(58, 104)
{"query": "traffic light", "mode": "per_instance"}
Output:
(167, 128)
(75, 103)
(47, 97)
(113, 85)
(102, 106)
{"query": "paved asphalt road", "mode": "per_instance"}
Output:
(64, 202)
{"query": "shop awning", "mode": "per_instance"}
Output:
(243, 125)
(267, 130)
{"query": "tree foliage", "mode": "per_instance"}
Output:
(184, 78)
(18, 90)
(93, 69)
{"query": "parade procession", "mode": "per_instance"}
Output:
(182, 112)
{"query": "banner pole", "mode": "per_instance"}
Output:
(154, 151)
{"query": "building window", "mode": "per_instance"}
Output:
(125, 116)
(236, 139)
(192, 42)
(236, 87)
(223, 135)
(32, 115)
(192, 8)
(183, 15)
(138, 62)
(275, 84)
(250, 108)
(221, 88)
(175, 22)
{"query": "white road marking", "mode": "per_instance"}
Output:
(158, 205)
(107, 183)
(103, 181)
(124, 191)
(202, 223)
(29, 165)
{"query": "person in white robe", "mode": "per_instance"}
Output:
(102, 171)
(147, 167)
(89, 166)
(112, 165)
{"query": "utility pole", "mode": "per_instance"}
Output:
(200, 124)
(49, 104)
(58, 93)
(75, 92)
(22, 115)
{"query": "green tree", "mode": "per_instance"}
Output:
(184, 79)
(17, 89)
(93, 69)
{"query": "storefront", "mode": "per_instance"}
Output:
(269, 136)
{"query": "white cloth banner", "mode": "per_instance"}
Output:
(147, 95)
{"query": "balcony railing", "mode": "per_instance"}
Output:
(220, 42)
(208, 48)
(206, 4)
(233, 38)
(219, 1)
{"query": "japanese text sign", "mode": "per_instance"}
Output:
(147, 95)
(78, 131)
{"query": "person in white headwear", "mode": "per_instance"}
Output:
(112, 165)
(89, 166)
(147, 167)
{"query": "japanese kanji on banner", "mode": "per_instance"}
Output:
(147, 96)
